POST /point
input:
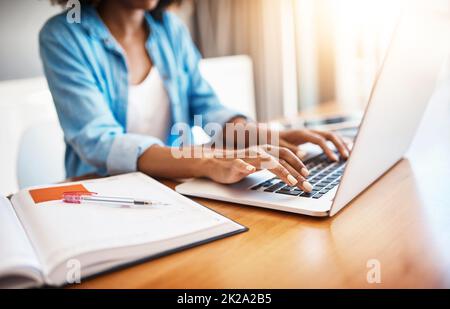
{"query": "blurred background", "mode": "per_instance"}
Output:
(303, 53)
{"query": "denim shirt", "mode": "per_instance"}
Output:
(88, 77)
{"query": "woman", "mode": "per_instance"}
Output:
(125, 74)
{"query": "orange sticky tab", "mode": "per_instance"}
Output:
(54, 193)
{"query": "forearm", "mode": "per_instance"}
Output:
(158, 161)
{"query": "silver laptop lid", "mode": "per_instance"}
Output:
(399, 97)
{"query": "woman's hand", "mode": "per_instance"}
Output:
(222, 165)
(292, 138)
(231, 166)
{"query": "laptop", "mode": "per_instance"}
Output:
(399, 97)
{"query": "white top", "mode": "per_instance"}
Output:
(148, 107)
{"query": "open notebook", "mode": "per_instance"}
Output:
(43, 241)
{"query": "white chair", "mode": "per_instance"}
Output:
(41, 155)
(31, 142)
(232, 80)
(26, 107)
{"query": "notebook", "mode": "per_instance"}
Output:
(44, 241)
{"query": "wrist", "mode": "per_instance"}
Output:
(202, 167)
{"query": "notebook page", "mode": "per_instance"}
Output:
(61, 231)
(17, 256)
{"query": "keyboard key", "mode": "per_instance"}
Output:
(275, 187)
(266, 183)
(306, 194)
(269, 182)
(292, 193)
(257, 187)
(320, 176)
(289, 188)
(284, 189)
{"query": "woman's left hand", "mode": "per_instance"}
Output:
(291, 138)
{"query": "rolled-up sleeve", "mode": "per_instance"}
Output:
(89, 125)
(202, 98)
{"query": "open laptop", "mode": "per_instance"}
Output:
(398, 100)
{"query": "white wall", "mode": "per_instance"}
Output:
(20, 22)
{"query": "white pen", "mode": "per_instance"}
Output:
(81, 197)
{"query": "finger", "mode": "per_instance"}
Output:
(341, 140)
(345, 143)
(294, 161)
(243, 167)
(257, 157)
(301, 181)
(322, 143)
(338, 143)
(281, 168)
(289, 156)
(294, 148)
(283, 173)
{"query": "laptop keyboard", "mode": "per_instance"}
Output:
(324, 175)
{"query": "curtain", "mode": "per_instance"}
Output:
(304, 51)
(251, 27)
(288, 41)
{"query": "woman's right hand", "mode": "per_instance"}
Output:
(231, 166)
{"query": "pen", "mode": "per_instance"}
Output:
(81, 197)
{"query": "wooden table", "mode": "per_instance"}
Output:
(402, 221)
